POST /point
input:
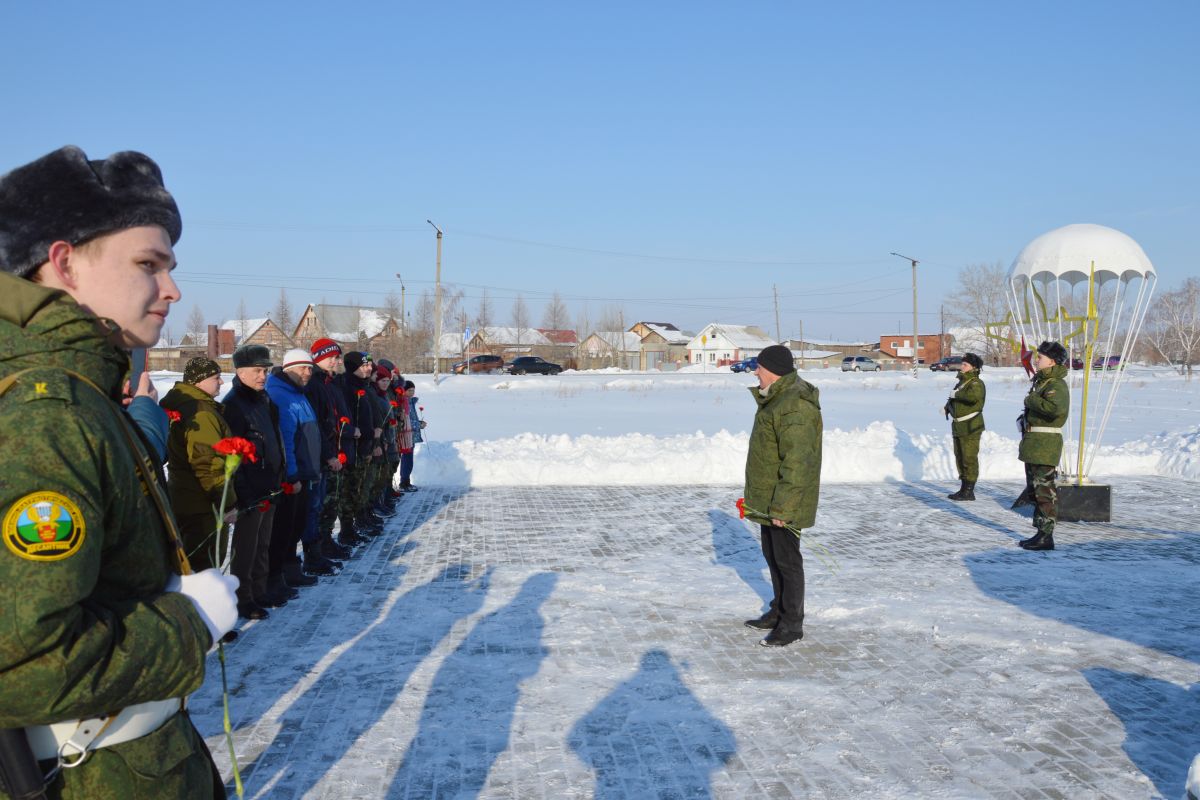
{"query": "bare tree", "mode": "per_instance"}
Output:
(241, 323)
(583, 324)
(1173, 326)
(391, 304)
(195, 323)
(483, 317)
(284, 316)
(556, 316)
(981, 299)
(520, 316)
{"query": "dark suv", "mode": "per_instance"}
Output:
(947, 364)
(523, 364)
(479, 364)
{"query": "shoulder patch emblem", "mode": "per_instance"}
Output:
(43, 526)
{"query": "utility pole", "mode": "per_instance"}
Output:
(778, 335)
(403, 324)
(437, 304)
(915, 341)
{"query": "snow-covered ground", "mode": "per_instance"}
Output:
(692, 427)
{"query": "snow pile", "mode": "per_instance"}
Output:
(1180, 454)
(878, 453)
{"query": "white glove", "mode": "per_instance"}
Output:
(214, 597)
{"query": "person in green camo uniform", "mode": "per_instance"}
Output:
(1046, 408)
(95, 618)
(965, 408)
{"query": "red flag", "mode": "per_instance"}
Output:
(1027, 359)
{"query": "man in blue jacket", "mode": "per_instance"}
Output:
(302, 452)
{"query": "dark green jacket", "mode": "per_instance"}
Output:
(90, 631)
(1047, 405)
(783, 466)
(969, 396)
(196, 473)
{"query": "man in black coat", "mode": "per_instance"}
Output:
(251, 415)
(337, 447)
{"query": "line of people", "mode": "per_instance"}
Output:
(332, 433)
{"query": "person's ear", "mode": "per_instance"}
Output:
(61, 265)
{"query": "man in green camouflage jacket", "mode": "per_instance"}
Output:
(965, 408)
(100, 637)
(1046, 408)
(783, 480)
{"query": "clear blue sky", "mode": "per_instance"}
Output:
(673, 158)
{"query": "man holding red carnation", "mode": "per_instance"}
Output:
(783, 479)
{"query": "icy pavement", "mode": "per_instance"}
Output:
(585, 642)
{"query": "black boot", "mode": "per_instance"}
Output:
(368, 525)
(315, 563)
(331, 549)
(961, 494)
(293, 573)
(764, 623)
(278, 592)
(347, 535)
(967, 491)
(1043, 541)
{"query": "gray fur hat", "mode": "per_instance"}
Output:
(64, 196)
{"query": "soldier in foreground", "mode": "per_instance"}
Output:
(965, 408)
(100, 638)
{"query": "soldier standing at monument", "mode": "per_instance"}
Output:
(965, 408)
(1046, 409)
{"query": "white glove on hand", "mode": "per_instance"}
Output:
(214, 597)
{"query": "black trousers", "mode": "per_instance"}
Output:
(291, 514)
(781, 549)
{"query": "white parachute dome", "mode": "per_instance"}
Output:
(1088, 287)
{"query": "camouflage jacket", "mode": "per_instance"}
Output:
(85, 627)
(197, 472)
(968, 398)
(1046, 405)
(783, 467)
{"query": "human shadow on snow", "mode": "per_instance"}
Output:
(269, 657)
(354, 692)
(935, 497)
(736, 548)
(1146, 592)
(467, 719)
(1162, 723)
(651, 737)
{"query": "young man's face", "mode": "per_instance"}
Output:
(364, 369)
(966, 366)
(126, 277)
(1043, 361)
(331, 364)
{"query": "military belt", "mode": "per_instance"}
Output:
(70, 741)
(967, 417)
(1044, 429)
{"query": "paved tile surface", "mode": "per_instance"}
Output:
(576, 643)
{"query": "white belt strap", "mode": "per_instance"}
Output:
(1044, 429)
(70, 741)
(967, 417)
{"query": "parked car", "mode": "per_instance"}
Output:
(745, 365)
(860, 364)
(1107, 362)
(947, 364)
(479, 364)
(524, 364)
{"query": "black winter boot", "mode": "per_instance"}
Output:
(1043, 541)
(961, 494)
(293, 573)
(315, 563)
(348, 536)
(278, 592)
(331, 549)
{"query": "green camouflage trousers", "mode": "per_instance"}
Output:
(966, 456)
(383, 478)
(350, 503)
(1042, 478)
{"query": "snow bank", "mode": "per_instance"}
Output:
(878, 453)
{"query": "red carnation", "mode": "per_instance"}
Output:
(264, 505)
(341, 458)
(741, 507)
(394, 404)
(287, 488)
(344, 420)
(174, 416)
(362, 393)
(236, 446)
(420, 408)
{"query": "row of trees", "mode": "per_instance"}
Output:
(1170, 333)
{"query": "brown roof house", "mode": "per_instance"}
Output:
(364, 328)
(663, 346)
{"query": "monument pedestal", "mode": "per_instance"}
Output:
(1091, 502)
